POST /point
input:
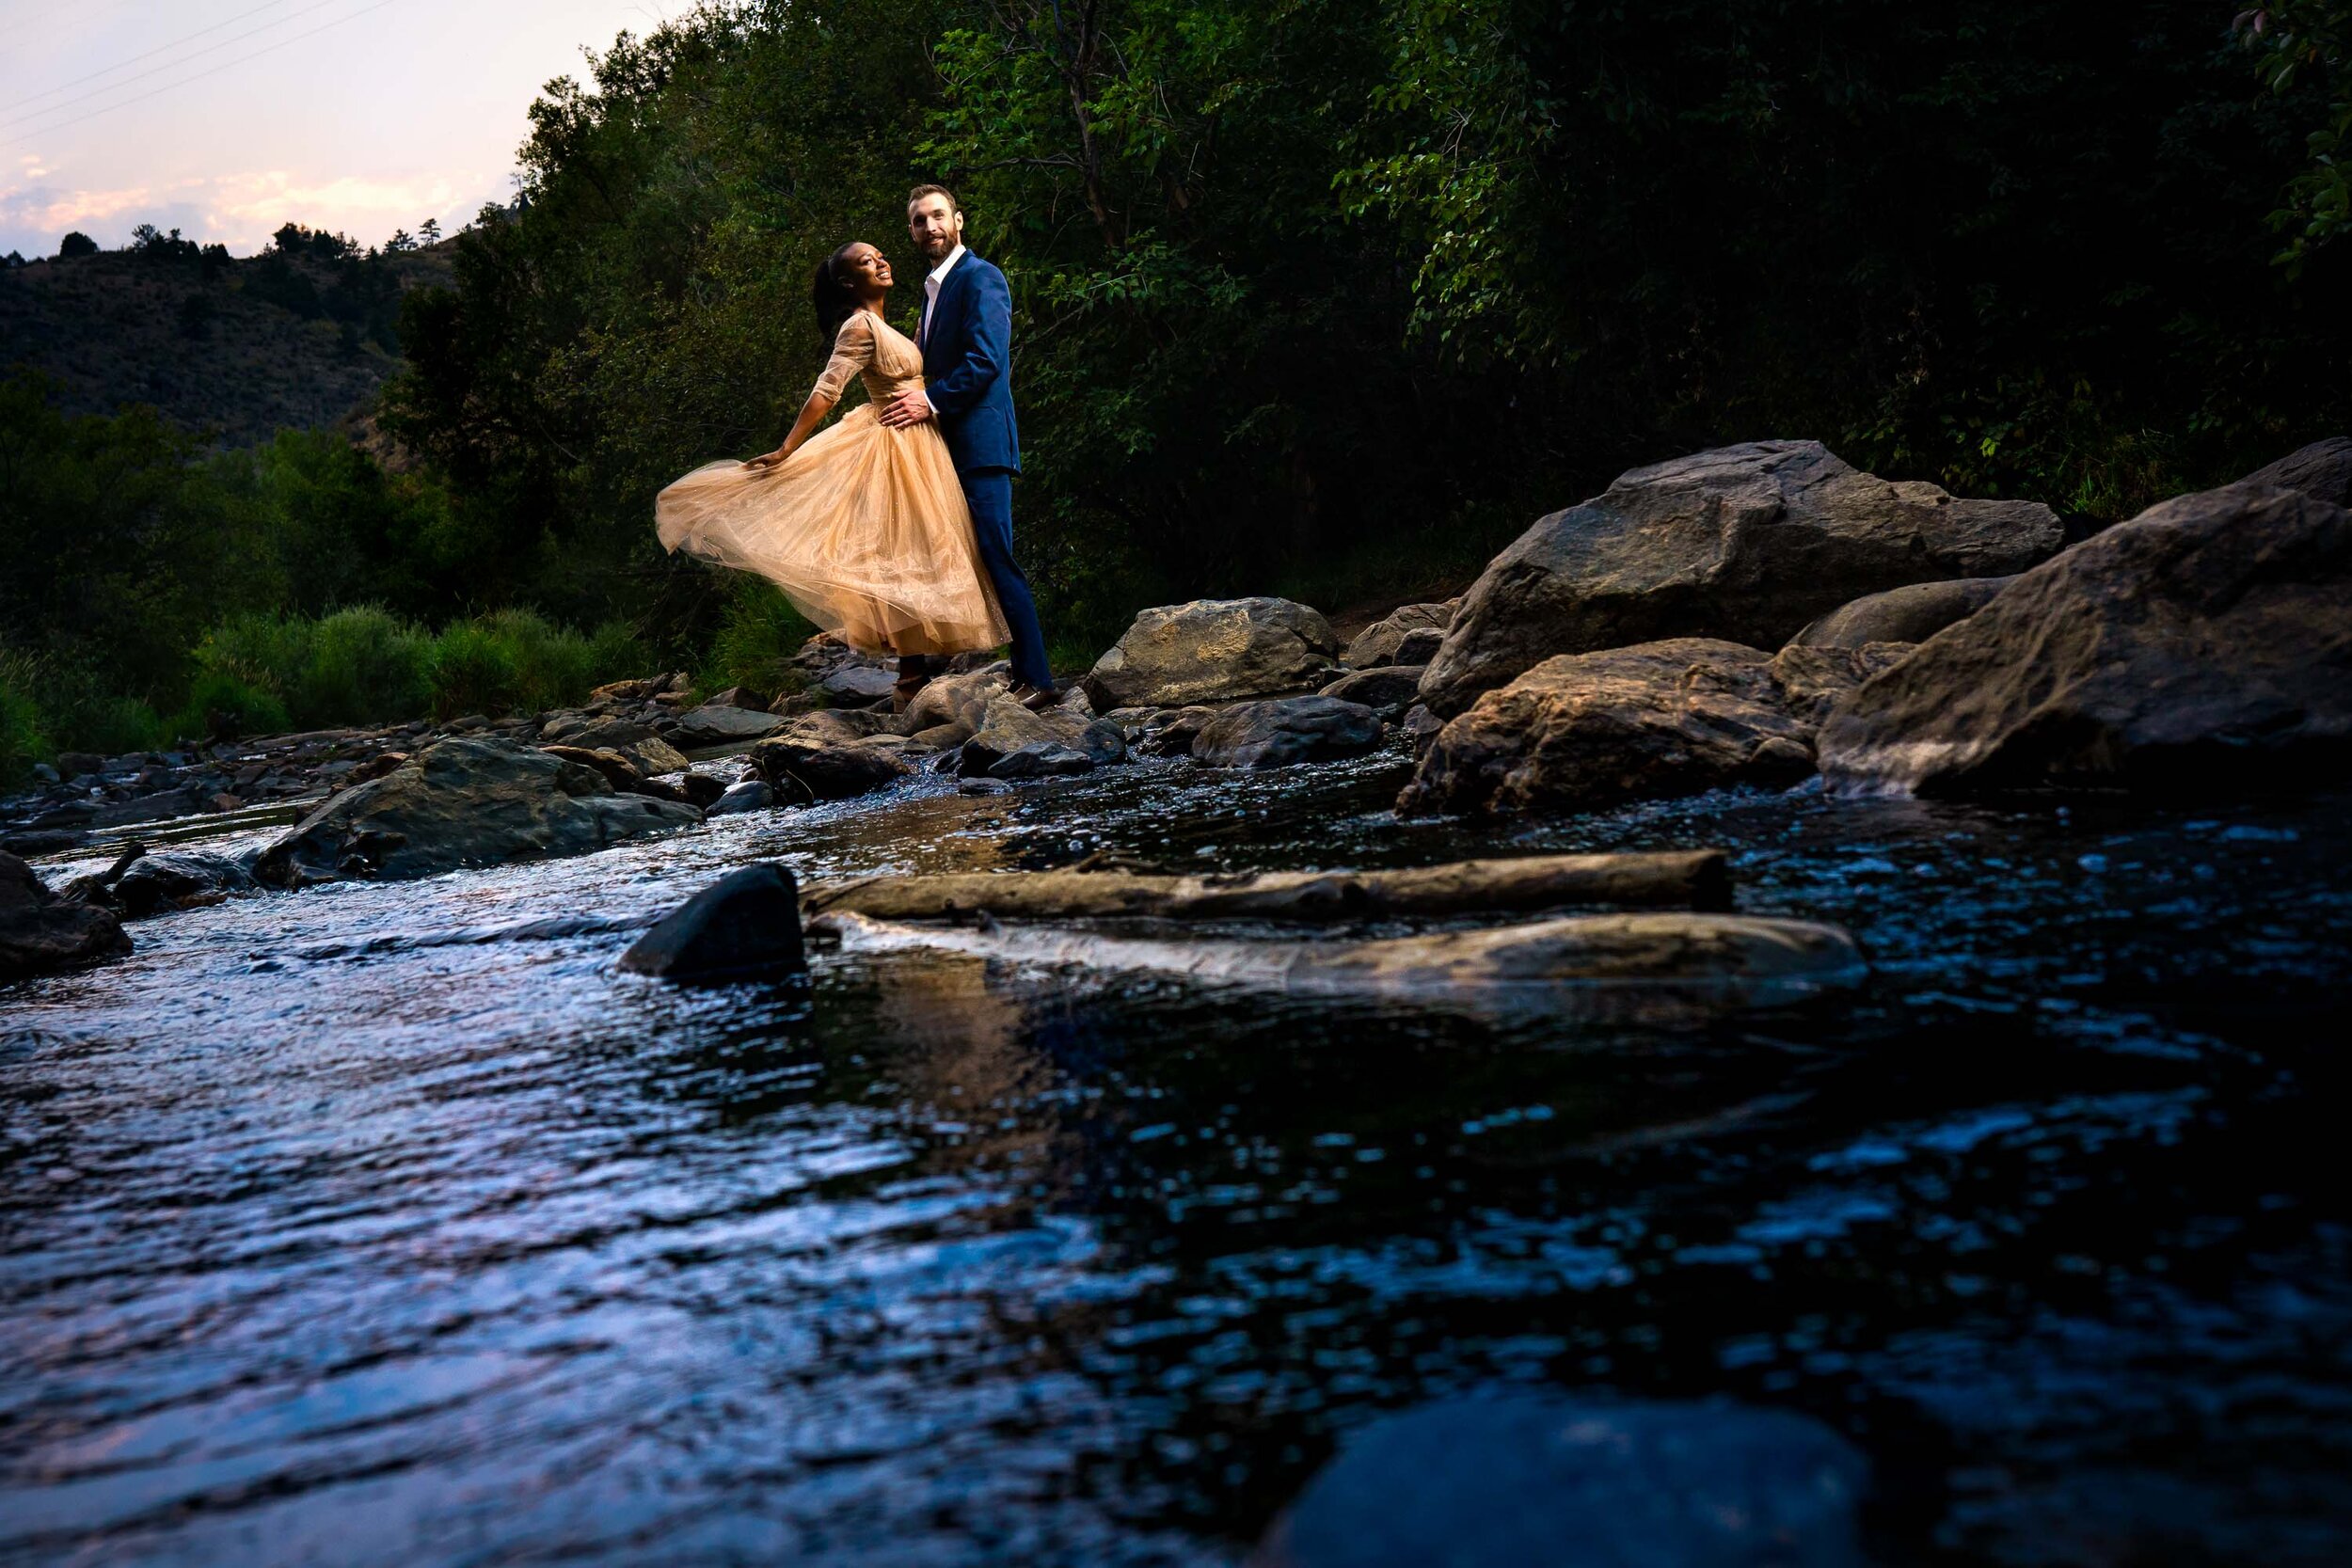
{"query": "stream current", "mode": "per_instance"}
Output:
(392, 1225)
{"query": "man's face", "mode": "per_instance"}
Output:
(935, 227)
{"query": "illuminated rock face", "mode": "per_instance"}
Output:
(1214, 651)
(1747, 543)
(2206, 644)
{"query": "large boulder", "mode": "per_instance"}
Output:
(1912, 613)
(800, 772)
(2322, 471)
(41, 933)
(1408, 634)
(460, 802)
(1286, 730)
(1214, 651)
(1746, 542)
(1527, 1478)
(745, 925)
(1584, 730)
(2206, 643)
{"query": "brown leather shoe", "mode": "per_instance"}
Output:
(1037, 699)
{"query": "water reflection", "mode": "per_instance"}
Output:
(315, 1214)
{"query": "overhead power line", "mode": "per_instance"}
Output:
(17, 120)
(23, 137)
(159, 49)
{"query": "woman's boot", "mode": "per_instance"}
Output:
(915, 674)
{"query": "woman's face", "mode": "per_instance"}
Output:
(868, 269)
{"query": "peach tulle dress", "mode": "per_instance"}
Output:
(864, 528)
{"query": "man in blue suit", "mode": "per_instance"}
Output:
(966, 339)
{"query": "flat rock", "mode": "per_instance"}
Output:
(160, 807)
(835, 726)
(859, 683)
(1408, 634)
(1747, 543)
(1912, 613)
(1041, 762)
(1286, 730)
(723, 724)
(2206, 644)
(1526, 1479)
(1214, 650)
(1392, 687)
(464, 801)
(42, 934)
(1584, 730)
(1652, 964)
(801, 773)
(744, 925)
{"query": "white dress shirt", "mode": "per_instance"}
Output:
(931, 280)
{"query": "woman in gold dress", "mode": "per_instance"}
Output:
(864, 528)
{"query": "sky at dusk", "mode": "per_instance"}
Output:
(225, 118)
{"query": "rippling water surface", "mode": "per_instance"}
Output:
(390, 1224)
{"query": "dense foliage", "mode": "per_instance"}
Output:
(1314, 295)
(1319, 294)
(129, 558)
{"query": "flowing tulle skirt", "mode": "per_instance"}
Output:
(865, 529)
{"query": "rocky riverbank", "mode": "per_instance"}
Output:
(1749, 616)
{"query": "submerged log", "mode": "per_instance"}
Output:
(1654, 963)
(1693, 879)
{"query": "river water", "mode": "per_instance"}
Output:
(390, 1225)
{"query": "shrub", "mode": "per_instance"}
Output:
(111, 725)
(365, 665)
(220, 704)
(757, 637)
(473, 671)
(271, 653)
(23, 741)
(616, 652)
(552, 665)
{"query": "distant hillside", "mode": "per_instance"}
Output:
(301, 335)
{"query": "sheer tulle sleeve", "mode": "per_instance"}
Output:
(853, 351)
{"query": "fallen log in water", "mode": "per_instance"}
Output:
(1695, 879)
(1579, 963)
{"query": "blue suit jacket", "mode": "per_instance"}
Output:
(967, 367)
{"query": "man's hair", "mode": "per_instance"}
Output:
(921, 191)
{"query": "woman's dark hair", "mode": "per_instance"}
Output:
(834, 293)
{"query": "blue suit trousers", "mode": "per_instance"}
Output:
(990, 493)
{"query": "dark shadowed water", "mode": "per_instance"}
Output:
(390, 1224)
